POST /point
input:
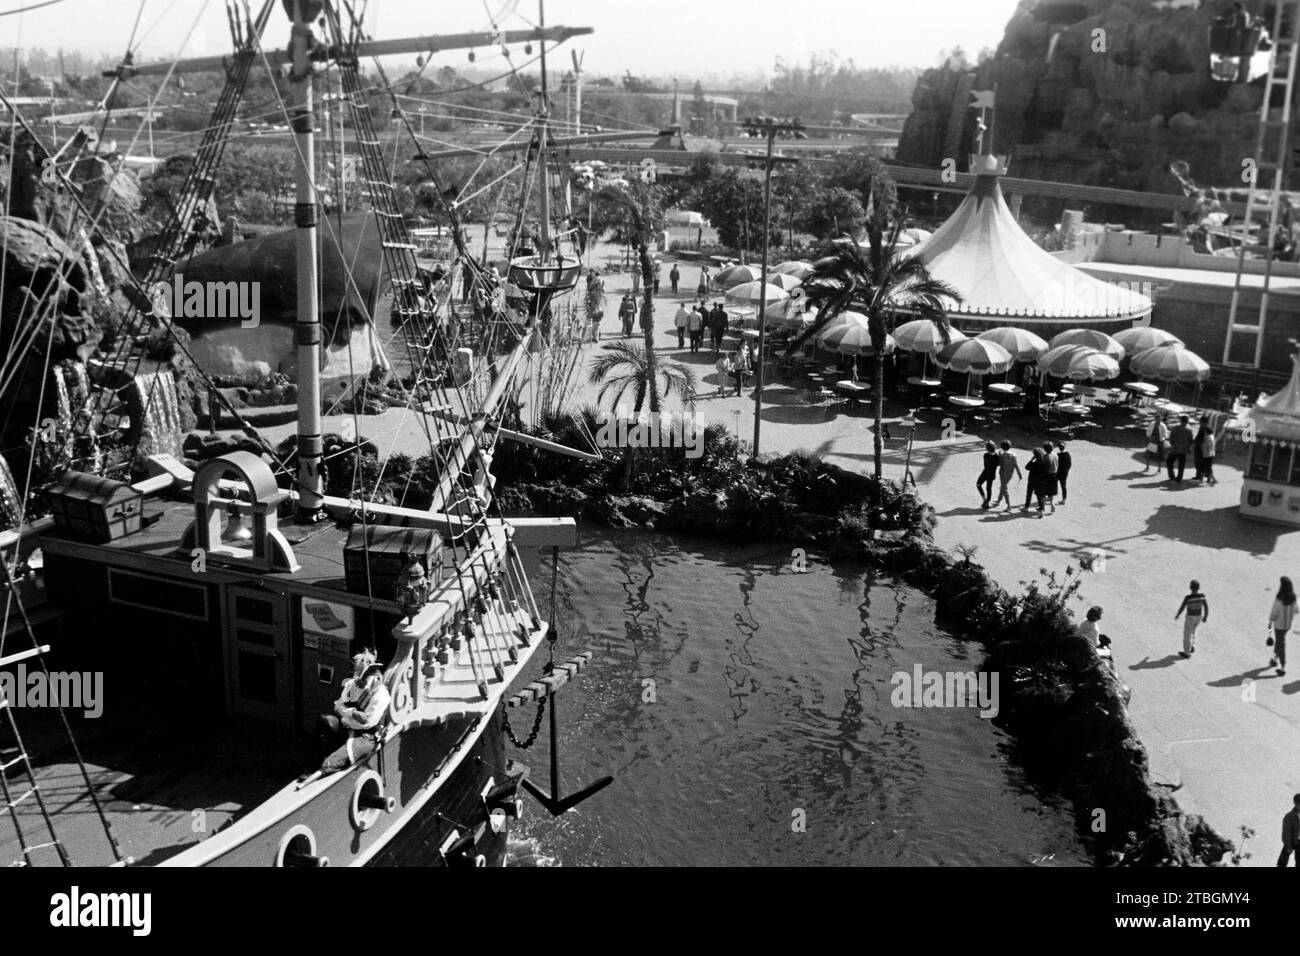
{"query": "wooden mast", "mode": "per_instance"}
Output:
(307, 329)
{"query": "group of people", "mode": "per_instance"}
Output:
(1171, 446)
(698, 319)
(1280, 618)
(734, 368)
(1047, 473)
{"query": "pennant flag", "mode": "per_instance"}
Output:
(982, 99)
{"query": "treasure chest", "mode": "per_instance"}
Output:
(375, 556)
(95, 509)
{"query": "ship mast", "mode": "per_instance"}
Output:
(544, 240)
(307, 328)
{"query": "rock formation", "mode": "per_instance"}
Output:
(1100, 92)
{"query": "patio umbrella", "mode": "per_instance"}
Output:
(1091, 338)
(733, 276)
(1024, 346)
(795, 267)
(1143, 337)
(748, 293)
(848, 334)
(783, 281)
(921, 335)
(1077, 362)
(1170, 363)
(974, 357)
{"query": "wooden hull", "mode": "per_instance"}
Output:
(436, 777)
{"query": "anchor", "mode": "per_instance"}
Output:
(545, 689)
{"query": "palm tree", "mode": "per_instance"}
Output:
(881, 285)
(627, 372)
(625, 369)
(641, 219)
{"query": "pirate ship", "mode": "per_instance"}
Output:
(222, 602)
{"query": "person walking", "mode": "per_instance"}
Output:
(723, 365)
(1007, 466)
(1180, 443)
(1291, 833)
(1157, 444)
(1050, 463)
(1063, 465)
(695, 325)
(740, 365)
(984, 483)
(1279, 619)
(680, 321)
(1035, 469)
(595, 303)
(674, 277)
(1198, 612)
(718, 325)
(702, 290)
(657, 270)
(627, 314)
(1204, 449)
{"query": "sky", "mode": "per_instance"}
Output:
(667, 37)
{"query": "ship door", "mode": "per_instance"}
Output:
(256, 635)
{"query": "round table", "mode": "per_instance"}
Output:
(965, 401)
(924, 382)
(749, 333)
(1141, 388)
(1004, 388)
(852, 390)
(1072, 408)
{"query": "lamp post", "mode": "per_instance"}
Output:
(769, 128)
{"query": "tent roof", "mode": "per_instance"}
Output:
(982, 252)
(1278, 416)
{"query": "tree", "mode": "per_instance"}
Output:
(861, 172)
(879, 284)
(734, 204)
(623, 372)
(833, 211)
(632, 213)
(796, 185)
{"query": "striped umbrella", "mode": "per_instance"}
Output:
(1143, 337)
(795, 267)
(974, 357)
(783, 281)
(921, 335)
(1170, 363)
(1023, 346)
(849, 333)
(1078, 362)
(1091, 338)
(733, 276)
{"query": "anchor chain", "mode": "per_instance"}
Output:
(532, 737)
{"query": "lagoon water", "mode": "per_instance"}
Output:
(744, 710)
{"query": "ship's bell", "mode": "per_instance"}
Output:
(237, 528)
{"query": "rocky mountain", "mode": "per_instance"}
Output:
(1100, 92)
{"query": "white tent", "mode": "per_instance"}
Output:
(1005, 278)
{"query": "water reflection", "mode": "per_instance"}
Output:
(770, 698)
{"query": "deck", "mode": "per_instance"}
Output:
(164, 784)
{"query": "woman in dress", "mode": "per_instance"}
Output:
(1280, 619)
(1157, 444)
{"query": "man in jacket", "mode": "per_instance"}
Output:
(1180, 443)
(681, 320)
(1291, 833)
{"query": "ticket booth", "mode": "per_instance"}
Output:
(1271, 488)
